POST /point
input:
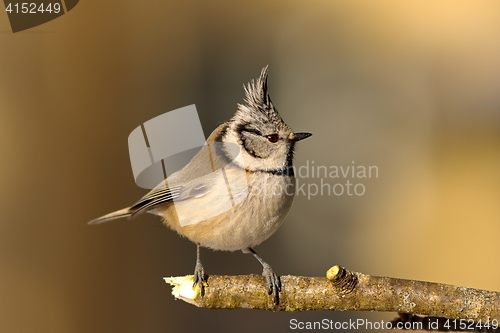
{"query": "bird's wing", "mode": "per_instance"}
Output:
(162, 194)
(156, 197)
(210, 195)
(207, 190)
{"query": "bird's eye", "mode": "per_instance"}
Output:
(273, 138)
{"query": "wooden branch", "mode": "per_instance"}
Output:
(342, 290)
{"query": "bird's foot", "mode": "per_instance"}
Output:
(273, 281)
(200, 278)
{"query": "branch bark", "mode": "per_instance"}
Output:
(342, 290)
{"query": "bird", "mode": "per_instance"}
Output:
(236, 191)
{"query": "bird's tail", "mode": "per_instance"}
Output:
(125, 212)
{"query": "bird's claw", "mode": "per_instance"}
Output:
(200, 278)
(273, 281)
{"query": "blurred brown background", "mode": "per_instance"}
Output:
(409, 86)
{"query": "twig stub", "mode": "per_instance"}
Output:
(343, 279)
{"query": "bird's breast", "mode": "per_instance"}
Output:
(242, 212)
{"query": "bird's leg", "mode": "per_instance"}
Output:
(273, 280)
(199, 273)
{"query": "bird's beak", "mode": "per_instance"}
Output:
(301, 136)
